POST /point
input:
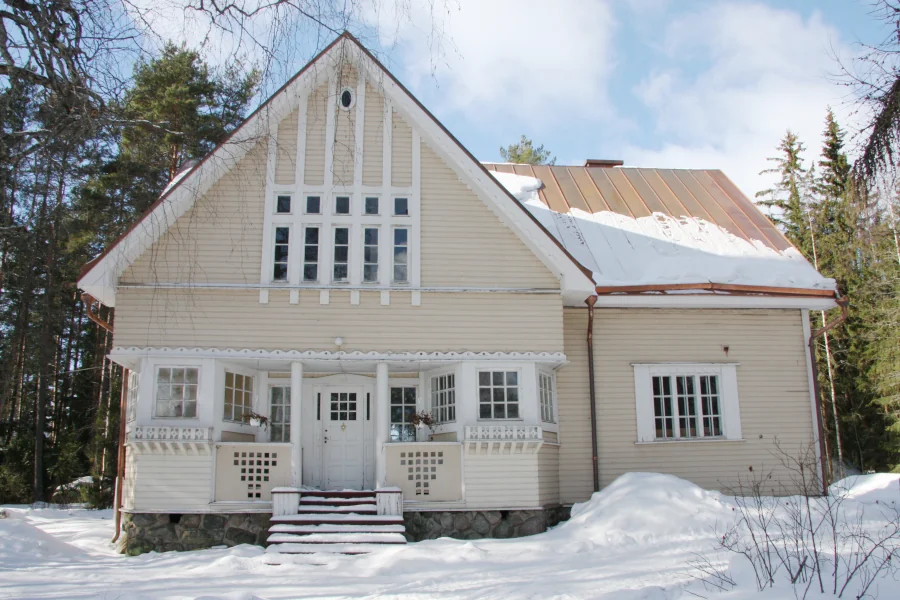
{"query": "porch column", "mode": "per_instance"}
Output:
(382, 421)
(296, 456)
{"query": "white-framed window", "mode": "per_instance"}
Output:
(133, 394)
(547, 396)
(370, 206)
(401, 207)
(238, 396)
(283, 204)
(401, 255)
(370, 255)
(443, 398)
(687, 402)
(310, 254)
(498, 395)
(342, 205)
(347, 98)
(281, 253)
(341, 256)
(313, 205)
(403, 407)
(280, 413)
(176, 392)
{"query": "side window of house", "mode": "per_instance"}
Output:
(546, 389)
(443, 398)
(238, 396)
(403, 407)
(401, 255)
(282, 248)
(498, 394)
(280, 413)
(176, 392)
(133, 389)
(687, 402)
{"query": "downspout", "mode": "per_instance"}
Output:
(844, 303)
(591, 300)
(120, 462)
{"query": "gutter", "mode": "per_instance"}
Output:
(844, 303)
(591, 300)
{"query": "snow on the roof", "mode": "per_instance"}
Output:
(660, 249)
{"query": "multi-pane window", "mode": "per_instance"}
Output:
(280, 414)
(313, 205)
(370, 254)
(311, 254)
(343, 406)
(401, 207)
(679, 411)
(283, 205)
(341, 253)
(498, 394)
(371, 205)
(238, 396)
(282, 245)
(443, 398)
(176, 391)
(403, 407)
(545, 389)
(132, 398)
(401, 255)
(342, 205)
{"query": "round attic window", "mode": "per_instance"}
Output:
(346, 99)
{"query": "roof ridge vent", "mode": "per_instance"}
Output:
(604, 163)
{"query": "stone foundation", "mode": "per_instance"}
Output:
(479, 524)
(144, 532)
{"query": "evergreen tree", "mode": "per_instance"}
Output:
(523, 152)
(791, 194)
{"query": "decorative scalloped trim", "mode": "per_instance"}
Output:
(325, 355)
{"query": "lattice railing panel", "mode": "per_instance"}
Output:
(503, 432)
(248, 472)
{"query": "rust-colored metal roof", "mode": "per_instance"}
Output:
(634, 192)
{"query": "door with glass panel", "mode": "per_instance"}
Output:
(343, 438)
(280, 413)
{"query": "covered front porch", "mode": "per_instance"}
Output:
(341, 421)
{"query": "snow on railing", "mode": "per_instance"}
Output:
(503, 432)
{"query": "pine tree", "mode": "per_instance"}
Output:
(790, 197)
(524, 152)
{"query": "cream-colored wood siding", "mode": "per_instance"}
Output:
(172, 483)
(235, 319)
(344, 137)
(219, 239)
(773, 392)
(464, 243)
(286, 149)
(548, 475)
(373, 138)
(316, 116)
(502, 482)
(401, 152)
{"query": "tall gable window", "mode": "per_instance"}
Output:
(341, 254)
(401, 255)
(311, 254)
(282, 249)
(176, 392)
(687, 402)
(370, 254)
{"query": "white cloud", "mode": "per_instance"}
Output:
(742, 75)
(535, 59)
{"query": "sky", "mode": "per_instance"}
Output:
(656, 83)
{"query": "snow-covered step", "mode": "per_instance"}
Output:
(325, 548)
(336, 501)
(336, 528)
(319, 518)
(347, 537)
(331, 508)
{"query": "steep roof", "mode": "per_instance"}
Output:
(662, 230)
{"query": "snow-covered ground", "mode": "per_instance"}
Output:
(637, 539)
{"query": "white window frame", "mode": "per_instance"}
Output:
(403, 423)
(409, 261)
(728, 402)
(433, 396)
(291, 202)
(378, 261)
(303, 261)
(134, 392)
(554, 417)
(253, 383)
(519, 393)
(286, 425)
(306, 198)
(155, 400)
(332, 246)
(290, 245)
(350, 203)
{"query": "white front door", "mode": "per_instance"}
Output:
(343, 437)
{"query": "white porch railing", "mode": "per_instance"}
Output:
(247, 472)
(503, 439)
(175, 440)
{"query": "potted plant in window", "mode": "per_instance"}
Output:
(255, 419)
(423, 419)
